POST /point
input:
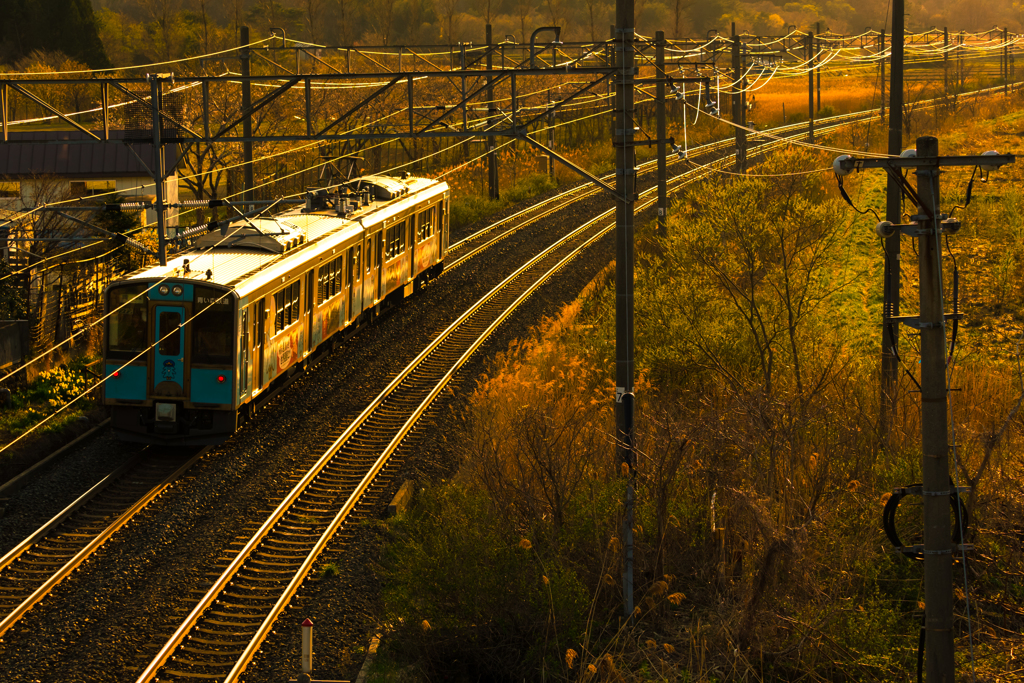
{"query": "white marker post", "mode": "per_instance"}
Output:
(307, 646)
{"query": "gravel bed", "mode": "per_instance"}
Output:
(59, 484)
(101, 623)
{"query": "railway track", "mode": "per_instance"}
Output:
(30, 570)
(227, 624)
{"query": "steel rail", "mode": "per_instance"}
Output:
(71, 509)
(102, 537)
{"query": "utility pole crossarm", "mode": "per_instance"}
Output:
(847, 163)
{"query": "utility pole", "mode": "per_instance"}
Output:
(247, 181)
(492, 119)
(551, 138)
(929, 226)
(817, 30)
(945, 59)
(1006, 64)
(893, 214)
(625, 182)
(155, 95)
(737, 103)
(810, 87)
(938, 549)
(659, 104)
(881, 64)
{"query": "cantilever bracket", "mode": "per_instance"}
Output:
(583, 172)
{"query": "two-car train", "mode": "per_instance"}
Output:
(192, 347)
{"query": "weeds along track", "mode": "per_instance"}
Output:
(30, 570)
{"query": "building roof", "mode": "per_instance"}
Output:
(72, 154)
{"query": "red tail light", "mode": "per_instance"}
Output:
(117, 373)
(220, 378)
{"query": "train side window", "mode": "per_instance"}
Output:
(425, 225)
(353, 264)
(127, 322)
(287, 305)
(212, 325)
(293, 306)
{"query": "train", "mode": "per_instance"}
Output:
(191, 349)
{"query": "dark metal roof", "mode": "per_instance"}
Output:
(43, 153)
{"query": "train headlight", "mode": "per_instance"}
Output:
(164, 290)
(177, 290)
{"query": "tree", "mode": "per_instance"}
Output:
(449, 15)
(753, 267)
(591, 6)
(383, 19)
(313, 11)
(523, 9)
(65, 25)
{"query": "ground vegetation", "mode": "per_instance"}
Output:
(762, 470)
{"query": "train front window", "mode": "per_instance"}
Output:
(127, 324)
(212, 327)
(170, 337)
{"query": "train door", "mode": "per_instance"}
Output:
(368, 272)
(378, 256)
(411, 232)
(258, 330)
(355, 280)
(244, 365)
(169, 354)
(444, 220)
(310, 298)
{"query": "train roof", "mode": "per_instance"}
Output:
(251, 252)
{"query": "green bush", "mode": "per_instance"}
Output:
(470, 599)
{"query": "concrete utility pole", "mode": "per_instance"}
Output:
(551, 138)
(659, 104)
(945, 59)
(881, 64)
(893, 214)
(1006, 63)
(810, 87)
(737, 103)
(492, 118)
(929, 226)
(817, 30)
(155, 95)
(938, 548)
(625, 188)
(247, 181)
